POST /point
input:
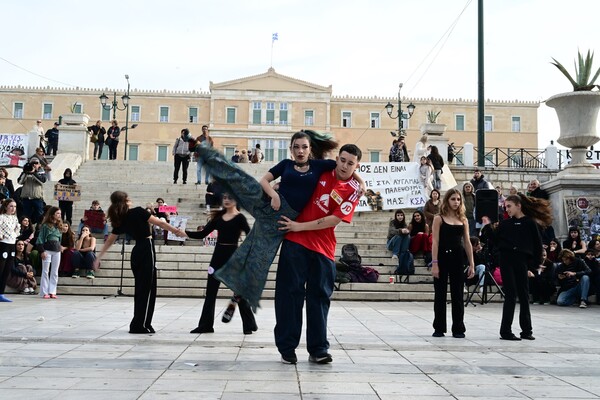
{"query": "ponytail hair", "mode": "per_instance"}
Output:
(320, 143)
(118, 208)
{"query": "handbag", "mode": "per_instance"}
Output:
(52, 245)
(108, 141)
(94, 138)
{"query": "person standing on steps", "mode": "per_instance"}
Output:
(204, 141)
(136, 221)
(450, 244)
(112, 139)
(97, 133)
(230, 224)
(181, 156)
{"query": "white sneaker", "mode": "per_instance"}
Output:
(394, 257)
(582, 304)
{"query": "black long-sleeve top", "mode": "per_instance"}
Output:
(578, 266)
(229, 231)
(521, 235)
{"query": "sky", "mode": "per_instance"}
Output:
(361, 48)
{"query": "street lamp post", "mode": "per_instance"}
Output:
(400, 113)
(115, 106)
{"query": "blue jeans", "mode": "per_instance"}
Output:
(398, 243)
(302, 273)
(199, 164)
(480, 272)
(575, 294)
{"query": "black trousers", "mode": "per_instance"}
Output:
(181, 162)
(451, 265)
(513, 268)
(7, 254)
(143, 265)
(112, 150)
(207, 318)
(52, 148)
(66, 208)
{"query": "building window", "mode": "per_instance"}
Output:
(47, 113)
(18, 110)
(231, 115)
(346, 119)
(133, 150)
(309, 118)
(459, 122)
(516, 124)
(229, 151)
(270, 113)
(256, 112)
(161, 153)
(164, 114)
(193, 115)
(269, 150)
(488, 123)
(135, 113)
(282, 150)
(374, 120)
(374, 156)
(105, 114)
(283, 113)
(78, 109)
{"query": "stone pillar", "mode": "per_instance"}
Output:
(468, 159)
(73, 135)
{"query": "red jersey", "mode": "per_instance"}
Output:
(331, 197)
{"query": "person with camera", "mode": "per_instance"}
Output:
(32, 180)
(181, 156)
(573, 276)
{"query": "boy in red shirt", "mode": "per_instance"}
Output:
(306, 266)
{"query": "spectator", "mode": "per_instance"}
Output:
(479, 181)
(537, 191)
(236, 156)
(432, 207)
(26, 231)
(594, 245)
(541, 281)
(574, 242)
(181, 155)
(52, 136)
(437, 163)
(97, 210)
(553, 250)
(425, 173)
(479, 261)
(469, 201)
(399, 152)
(512, 191)
(9, 230)
(49, 248)
(39, 130)
(22, 276)
(32, 192)
(8, 183)
(40, 156)
(574, 279)
(451, 152)
(66, 206)
(97, 137)
(419, 234)
(392, 150)
(206, 141)
(398, 239)
(501, 209)
(213, 196)
(420, 148)
(67, 243)
(4, 192)
(258, 155)
(112, 139)
(592, 262)
(243, 157)
(85, 254)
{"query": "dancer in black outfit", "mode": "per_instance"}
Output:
(230, 224)
(520, 247)
(136, 223)
(450, 231)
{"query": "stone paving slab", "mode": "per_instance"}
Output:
(78, 347)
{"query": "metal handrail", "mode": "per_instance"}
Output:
(509, 157)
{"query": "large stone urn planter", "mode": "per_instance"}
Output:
(75, 119)
(433, 129)
(577, 115)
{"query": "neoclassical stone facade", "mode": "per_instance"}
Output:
(266, 109)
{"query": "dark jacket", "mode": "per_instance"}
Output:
(480, 183)
(98, 130)
(540, 194)
(578, 266)
(520, 235)
(52, 135)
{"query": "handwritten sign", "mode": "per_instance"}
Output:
(168, 209)
(178, 222)
(67, 192)
(13, 149)
(391, 186)
(94, 219)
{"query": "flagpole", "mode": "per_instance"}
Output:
(274, 37)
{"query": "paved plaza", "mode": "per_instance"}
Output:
(78, 348)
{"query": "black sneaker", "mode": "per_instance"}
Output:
(289, 358)
(322, 359)
(228, 314)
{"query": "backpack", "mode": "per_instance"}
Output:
(363, 274)
(350, 255)
(254, 158)
(406, 264)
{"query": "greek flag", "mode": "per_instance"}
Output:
(275, 36)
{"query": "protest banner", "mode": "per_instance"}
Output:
(94, 219)
(179, 222)
(67, 192)
(391, 186)
(168, 209)
(13, 149)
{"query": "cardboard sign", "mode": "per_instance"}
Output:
(168, 209)
(94, 219)
(178, 222)
(13, 149)
(583, 213)
(67, 192)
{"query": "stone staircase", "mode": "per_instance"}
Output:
(183, 269)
